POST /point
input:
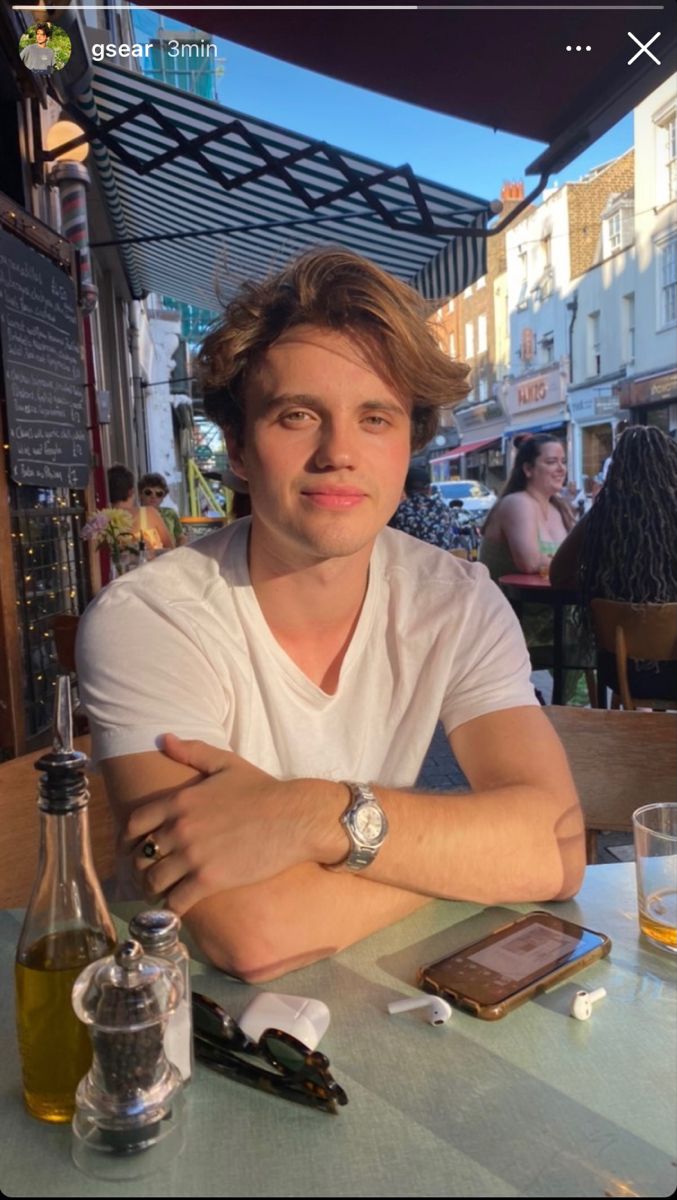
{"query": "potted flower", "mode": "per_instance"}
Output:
(112, 528)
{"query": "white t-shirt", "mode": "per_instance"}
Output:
(181, 646)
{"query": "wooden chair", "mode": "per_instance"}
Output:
(639, 631)
(19, 827)
(619, 761)
(65, 628)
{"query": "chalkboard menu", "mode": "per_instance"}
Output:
(46, 409)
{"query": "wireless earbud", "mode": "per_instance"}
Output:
(439, 1010)
(581, 1005)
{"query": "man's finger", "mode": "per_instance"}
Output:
(194, 753)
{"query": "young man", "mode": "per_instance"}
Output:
(153, 491)
(38, 55)
(303, 656)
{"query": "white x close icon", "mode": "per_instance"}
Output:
(644, 49)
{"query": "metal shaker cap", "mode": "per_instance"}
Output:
(156, 929)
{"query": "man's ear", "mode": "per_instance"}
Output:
(235, 452)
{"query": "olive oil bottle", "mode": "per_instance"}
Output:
(66, 927)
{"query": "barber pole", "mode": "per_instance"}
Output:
(72, 179)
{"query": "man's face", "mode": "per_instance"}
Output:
(326, 447)
(41, 37)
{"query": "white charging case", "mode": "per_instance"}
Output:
(306, 1019)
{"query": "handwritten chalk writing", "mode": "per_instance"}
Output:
(46, 402)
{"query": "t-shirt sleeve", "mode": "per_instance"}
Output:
(141, 675)
(491, 667)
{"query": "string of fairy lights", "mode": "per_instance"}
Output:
(39, 604)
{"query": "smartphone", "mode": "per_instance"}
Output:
(496, 974)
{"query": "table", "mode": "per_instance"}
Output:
(536, 1104)
(537, 589)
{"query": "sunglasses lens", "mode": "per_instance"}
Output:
(288, 1058)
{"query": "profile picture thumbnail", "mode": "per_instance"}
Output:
(45, 48)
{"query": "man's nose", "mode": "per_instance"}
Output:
(336, 445)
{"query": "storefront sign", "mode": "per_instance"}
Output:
(587, 408)
(535, 392)
(636, 392)
(46, 410)
(470, 418)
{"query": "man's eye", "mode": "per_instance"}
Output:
(374, 419)
(295, 416)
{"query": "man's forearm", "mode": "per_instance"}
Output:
(298, 917)
(496, 847)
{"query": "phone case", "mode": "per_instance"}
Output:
(428, 976)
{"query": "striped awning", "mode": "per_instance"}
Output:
(201, 197)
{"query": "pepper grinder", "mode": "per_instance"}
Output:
(127, 1118)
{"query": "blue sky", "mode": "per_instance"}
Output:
(458, 153)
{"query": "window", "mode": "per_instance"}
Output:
(614, 232)
(547, 343)
(594, 355)
(452, 345)
(450, 306)
(481, 282)
(617, 224)
(667, 282)
(667, 159)
(628, 328)
(481, 333)
(483, 389)
(468, 291)
(469, 340)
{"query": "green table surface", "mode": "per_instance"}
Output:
(536, 1104)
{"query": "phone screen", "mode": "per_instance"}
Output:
(514, 957)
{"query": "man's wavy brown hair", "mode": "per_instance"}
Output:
(334, 289)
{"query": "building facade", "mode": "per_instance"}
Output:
(650, 388)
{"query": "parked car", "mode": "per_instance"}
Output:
(476, 498)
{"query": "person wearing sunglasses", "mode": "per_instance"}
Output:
(148, 524)
(261, 702)
(153, 490)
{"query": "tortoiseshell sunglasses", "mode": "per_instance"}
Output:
(299, 1074)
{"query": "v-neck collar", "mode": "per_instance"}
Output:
(245, 597)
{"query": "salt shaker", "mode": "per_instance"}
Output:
(158, 932)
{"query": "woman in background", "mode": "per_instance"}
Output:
(530, 519)
(525, 527)
(625, 547)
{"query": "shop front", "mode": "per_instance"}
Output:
(480, 455)
(536, 403)
(652, 400)
(596, 421)
(44, 468)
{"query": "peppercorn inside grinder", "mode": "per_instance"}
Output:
(127, 1118)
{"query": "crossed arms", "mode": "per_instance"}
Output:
(241, 851)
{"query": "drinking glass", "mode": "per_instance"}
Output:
(655, 834)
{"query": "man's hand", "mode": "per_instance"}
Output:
(236, 826)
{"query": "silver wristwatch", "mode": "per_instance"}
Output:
(366, 825)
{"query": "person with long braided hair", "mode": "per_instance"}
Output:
(625, 547)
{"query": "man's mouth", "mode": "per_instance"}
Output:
(334, 497)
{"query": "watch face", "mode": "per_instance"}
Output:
(368, 823)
